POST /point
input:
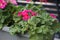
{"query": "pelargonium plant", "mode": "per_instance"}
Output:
(30, 18)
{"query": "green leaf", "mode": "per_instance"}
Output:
(36, 37)
(39, 30)
(14, 29)
(1, 26)
(23, 26)
(1, 10)
(33, 21)
(29, 6)
(43, 29)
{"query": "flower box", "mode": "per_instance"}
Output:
(6, 29)
(6, 36)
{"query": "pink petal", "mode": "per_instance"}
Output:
(25, 18)
(24, 13)
(33, 13)
(25, 10)
(53, 15)
(13, 2)
(2, 4)
(19, 14)
(30, 10)
(28, 0)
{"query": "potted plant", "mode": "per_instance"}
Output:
(32, 19)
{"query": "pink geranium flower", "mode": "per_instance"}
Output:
(25, 18)
(13, 2)
(33, 13)
(26, 14)
(2, 4)
(53, 15)
(19, 14)
(29, 11)
(27, 0)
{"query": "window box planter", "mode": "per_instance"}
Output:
(4, 35)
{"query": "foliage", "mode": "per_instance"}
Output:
(40, 26)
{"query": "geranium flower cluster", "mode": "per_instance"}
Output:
(3, 3)
(13, 2)
(28, 0)
(26, 14)
(53, 15)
